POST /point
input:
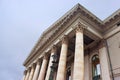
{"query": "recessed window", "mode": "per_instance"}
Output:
(95, 67)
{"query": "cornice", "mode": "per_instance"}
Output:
(112, 17)
(112, 20)
(54, 28)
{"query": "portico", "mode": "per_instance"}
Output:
(72, 49)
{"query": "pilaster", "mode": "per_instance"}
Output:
(105, 73)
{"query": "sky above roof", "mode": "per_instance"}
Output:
(23, 21)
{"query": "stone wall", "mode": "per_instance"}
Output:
(114, 50)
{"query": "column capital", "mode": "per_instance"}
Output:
(54, 49)
(46, 56)
(102, 43)
(29, 69)
(25, 72)
(39, 61)
(33, 65)
(65, 39)
(79, 27)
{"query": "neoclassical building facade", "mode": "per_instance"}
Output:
(78, 46)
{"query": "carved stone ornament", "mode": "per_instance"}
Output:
(102, 43)
(46, 56)
(29, 69)
(25, 72)
(54, 49)
(33, 65)
(39, 61)
(65, 39)
(79, 27)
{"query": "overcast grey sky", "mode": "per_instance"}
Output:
(23, 21)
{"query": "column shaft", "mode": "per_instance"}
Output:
(104, 63)
(43, 68)
(37, 70)
(24, 76)
(28, 73)
(62, 61)
(50, 63)
(32, 72)
(79, 56)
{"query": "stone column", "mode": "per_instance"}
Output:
(86, 63)
(37, 70)
(32, 72)
(53, 51)
(28, 73)
(79, 54)
(25, 72)
(104, 63)
(62, 61)
(43, 68)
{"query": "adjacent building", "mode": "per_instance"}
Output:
(78, 46)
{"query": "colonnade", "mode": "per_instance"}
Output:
(42, 71)
(42, 68)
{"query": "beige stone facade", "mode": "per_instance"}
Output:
(78, 46)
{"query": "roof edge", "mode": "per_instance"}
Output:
(111, 16)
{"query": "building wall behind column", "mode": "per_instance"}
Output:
(114, 50)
